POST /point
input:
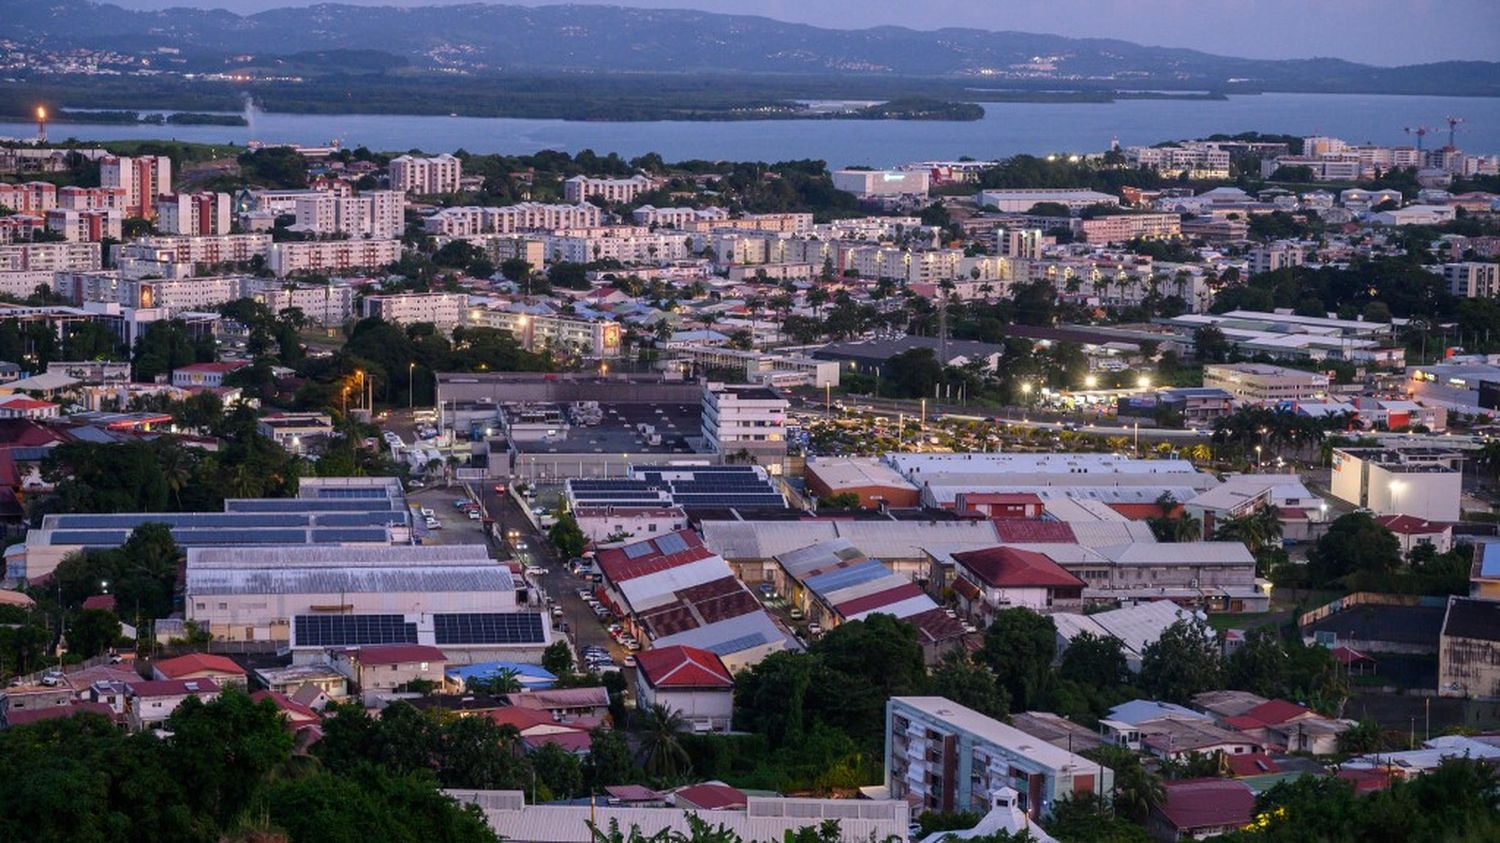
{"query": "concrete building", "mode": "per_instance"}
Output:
(204, 375)
(295, 431)
(425, 176)
(1473, 279)
(1425, 482)
(188, 251)
(1023, 243)
(996, 579)
(332, 255)
(597, 339)
(508, 219)
(444, 311)
(870, 184)
(85, 226)
(750, 419)
(759, 367)
(1263, 383)
(676, 217)
(692, 682)
(613, 191)
(151, 702)
(941, 756)
(385, 668)
(143, 179)
(32, 198)
(1273, 256)
(89, 198)
(1019, 201)
(1120, 228)
(614, 523)
(875, 482)
(1469, 649)
(193, 213)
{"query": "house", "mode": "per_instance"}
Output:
(566, 705)
(999, 578)
(537, 729)
(290, 680)
(36, 715)
(295, 713)
(690, 681)
(200, 375)
(23, 407)
(1137, 627)
(1197, 808)
(386, 667)
(708, 796)
(1124, 724)
(221, 670)
(1412, 532)
(1178, 739)
(151, 701)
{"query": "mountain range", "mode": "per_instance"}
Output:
(484, 39)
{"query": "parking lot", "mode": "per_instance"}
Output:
(455, 526)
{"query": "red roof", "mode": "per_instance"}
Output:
(633, 793)
(683, 667)
(1365, 780)
(521, 718)
(1349, 655)
(293, 708)
(1410, 525)
(172, 687)
(399, 654)
(1275, 712)
(1203, 803)
(21, 402)
(105, 602)
(1010, 567)
(711, 796)
(575, 741)
(1251, 764)
(196, 663)
(618, 565)
(1137, 511)
(1033, 531)
(904, 591)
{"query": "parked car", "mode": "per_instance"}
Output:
(427, 511)
(535, 571)
(629, 661)
(474, 515)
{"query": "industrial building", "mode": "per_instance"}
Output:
(1422, 481)
(1469, 649)
(873, 481)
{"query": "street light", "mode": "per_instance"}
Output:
(1090, 382)
(1144, 382)
(1257, 458)
(411, 396)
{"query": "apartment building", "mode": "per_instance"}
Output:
(1334, 167)
(143, 178)
(525, 216)
(1193, 160)
(332, 255)
(592, 338)
(1025, 243)
(86, 226)
(1274, 256)
(1262, 383)
(193, 213)
(49, 257)
(196, 249)
(194, 293)
(676, 217)
(34, 197)
(870, 184)
(1021, 200)
(629, 244)
(1119, 228)
(1473, 279)
(745, 418)
(324, 304)
(19, 228)
(791, 223)
(90, 198)
(425, 176)
(613, 191)
(942, 756)
(445, 311)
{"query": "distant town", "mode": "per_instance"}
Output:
(1142, 494)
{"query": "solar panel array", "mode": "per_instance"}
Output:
(701, 486)
(351, 630)
(488, 628)
(671, 543)
(311, 505)
(327, 493)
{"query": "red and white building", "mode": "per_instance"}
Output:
(149, 702)
(1412, 531)
(33, 197)
(199, 214)
(690, 681)
(24, 407)
(995, 579)
(332, 255)
(90, 226)
(143, 179)
(220, 669)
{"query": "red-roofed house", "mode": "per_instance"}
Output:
(1199, 808)
(1366, 780)
(297, 715)
(1000, 578)
(709, 796)
(537, 728)
(150, 702)
(386, 667)
(221, 670)
(1412, 531)
(21, 717)
(1250, 764)
(22, 407)
(101, 602)
(1288, 727)
(690, 681)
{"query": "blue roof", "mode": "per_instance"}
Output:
(1489, 563)
(1136, 712)
(844, 577)
(529, 675)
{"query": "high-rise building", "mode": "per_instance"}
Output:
(85, 226)
(143, 178)
(582, 188)
(425, 176)
(193, 213)
(1021, 243)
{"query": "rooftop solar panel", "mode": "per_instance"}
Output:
(311, 505)
(671, 543)
(637, 550)
(353, 492)
(488, 628)
(351, 630)
(735, 645)
(350, 535)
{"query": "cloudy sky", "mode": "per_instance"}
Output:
(1385, 32)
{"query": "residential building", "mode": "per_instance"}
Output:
(612, 524)
(1413, 532)
(1273, 256)
(295, 431)
(444, 311)
(1197, 161)
(509, 219)
(221, 669)
(85, 226)
(425, 176)
(1196, 809)
(1121, 228)
(1421, 481)
(598, 339)
(1263, 383)
(384, 668)
(997, 579)
(1023, 243)
(612, 191)
(88, 198)
(143, 178)
(942, 756)
(745, 418)
(1136, 627)
(692, 682)
(150, 702)
(1473, 279)
(1021, 200)
(1469, 649)
(198, 214)
(190, 250)
(332, 255)
(47, 258)
(33, 198)
(204, 375)
(869, 184)
(676, 217)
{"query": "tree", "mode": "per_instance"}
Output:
(567, 536)
(864, 663)
(1210, 345)
(557, 659)
(1019, 646)
(225, 747)
(1092, 659)
(93, 632)
(608, 760)
(1137, 790)
(840, 500)
(1184, 661)
(559, 770)
(969, 684)
(660, 734)
(1353, 543)
(1258, 665)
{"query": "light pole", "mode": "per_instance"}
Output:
(411, 397)
(1258, 463)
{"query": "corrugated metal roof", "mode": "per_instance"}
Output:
(353, 580)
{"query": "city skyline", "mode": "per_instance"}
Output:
(1278, 29)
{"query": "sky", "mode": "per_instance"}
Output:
(1381, 32)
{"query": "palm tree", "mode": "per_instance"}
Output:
(661, 728)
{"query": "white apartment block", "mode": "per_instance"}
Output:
(1199, 162)
(793, 223)
(628, 245)
(676, 217)
(1274, 256)
(525, 216)
(202, 293)
(332, 255)
(583, 188)
(426, 176)
(1341, 167)
(90, 198)
(1262, 383)
(195, 249)
(49, 257)
(445, 311)
(745, 418)
(1120, 228)
(86, 226)
(1318, 145)
(324, 304)
(1020, 200)
(193, 213)
(1473, 279)
(143, 179)
(594, 339)
(883, 183)
(1020, 243)
(34, 197)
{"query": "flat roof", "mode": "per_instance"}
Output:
(966, 719)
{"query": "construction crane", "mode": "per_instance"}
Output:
(1420, 132)
(1453, 127)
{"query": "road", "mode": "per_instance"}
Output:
(1013, 417)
